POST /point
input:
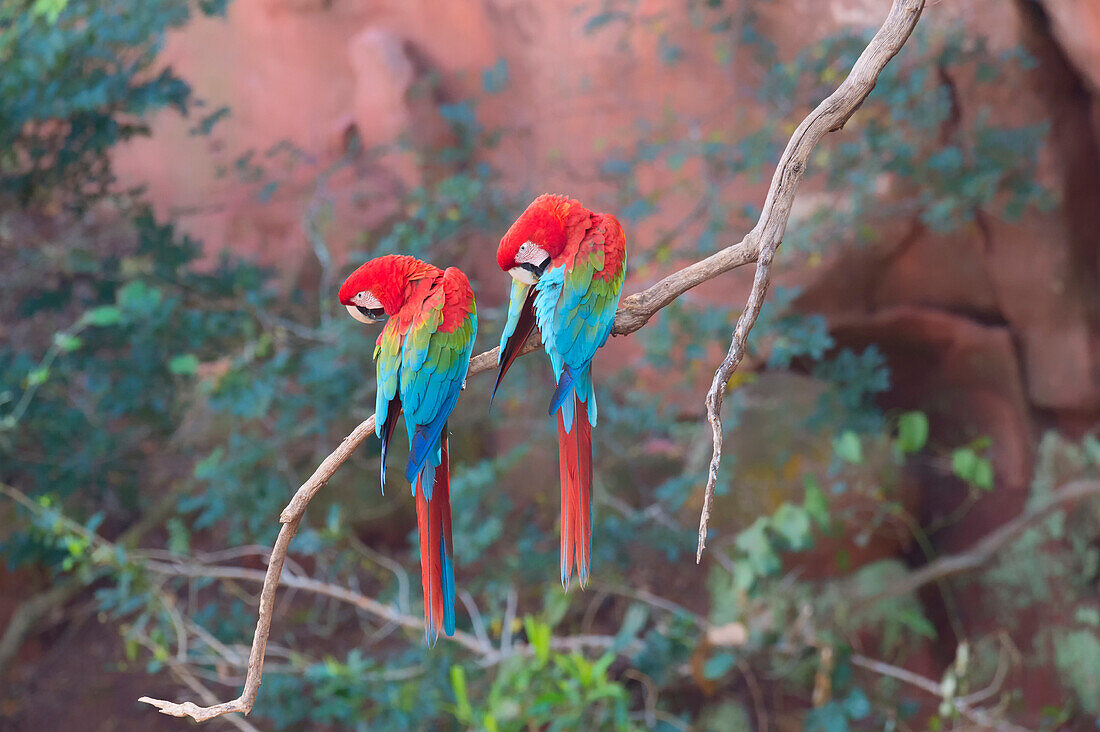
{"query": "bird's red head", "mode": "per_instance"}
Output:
(538, 236)
(378, 288)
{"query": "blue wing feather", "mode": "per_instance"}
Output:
(575, 319)
(435, 369)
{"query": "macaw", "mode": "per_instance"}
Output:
(422, 356)
(567, 265)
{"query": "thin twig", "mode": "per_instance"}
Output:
(390, 614)
(369, 605)
(394, 566)
(756, 694)
(650, 696)
(634, 312)
(28, 614)
(765, 237)
(976, 715)
(509, 618)
(475, 616)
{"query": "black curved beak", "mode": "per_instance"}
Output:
(372, 313)
(536, 269)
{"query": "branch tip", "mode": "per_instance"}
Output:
(829, 115)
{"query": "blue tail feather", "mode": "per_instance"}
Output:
(564, 390)
(448, 573)
(577, 382)
(424, 440)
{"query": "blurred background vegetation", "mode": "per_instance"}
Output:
(161, 400)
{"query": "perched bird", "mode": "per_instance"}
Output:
(421, 357)
(567, 265)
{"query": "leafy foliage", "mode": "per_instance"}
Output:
(76, 78)
(548, 689)
(148, 379)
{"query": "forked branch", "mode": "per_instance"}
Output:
(634, 312)
(765, 237)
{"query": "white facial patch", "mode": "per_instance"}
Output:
(365, 300)
(530, 253)
(530, 261)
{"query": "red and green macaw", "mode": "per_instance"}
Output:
(421, 357)
(567, 265)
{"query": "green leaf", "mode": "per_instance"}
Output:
(179, 538)
(963, 461)
(538, 635)
(1077, 656)
(50, 9)
(208, 467)
(793, 524)
(856, 705)
(743, 576)
(973, 468)
(815, 504)
(756, 545)
(719, 665)
(495, 78)
(982, 443)
(103, 316)
(186, 364)
(831, 717)
(912, 431)
(983, 474)
(848, 447)
(599, 668)
(633, 622)
(1087, 616)
(138, 298)
(66, 342)
(463, 711)
(38, 376)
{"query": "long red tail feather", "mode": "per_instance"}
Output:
(583, 429)
(433, 520)
(575, 466)
(424, 532)
(565, 468)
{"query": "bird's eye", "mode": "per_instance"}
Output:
(362, 295)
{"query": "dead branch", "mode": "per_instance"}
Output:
(966, 706)
(31, 611)
(634, 312)
(185, 676)
(765, 237)
(989, 546)
(28, 614)
(477, 645)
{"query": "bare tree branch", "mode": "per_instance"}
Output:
(765, 237)
(967, 705)
(185, 676)
(475, 644)
(33, 609)
(988, 547)
(634, 312)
